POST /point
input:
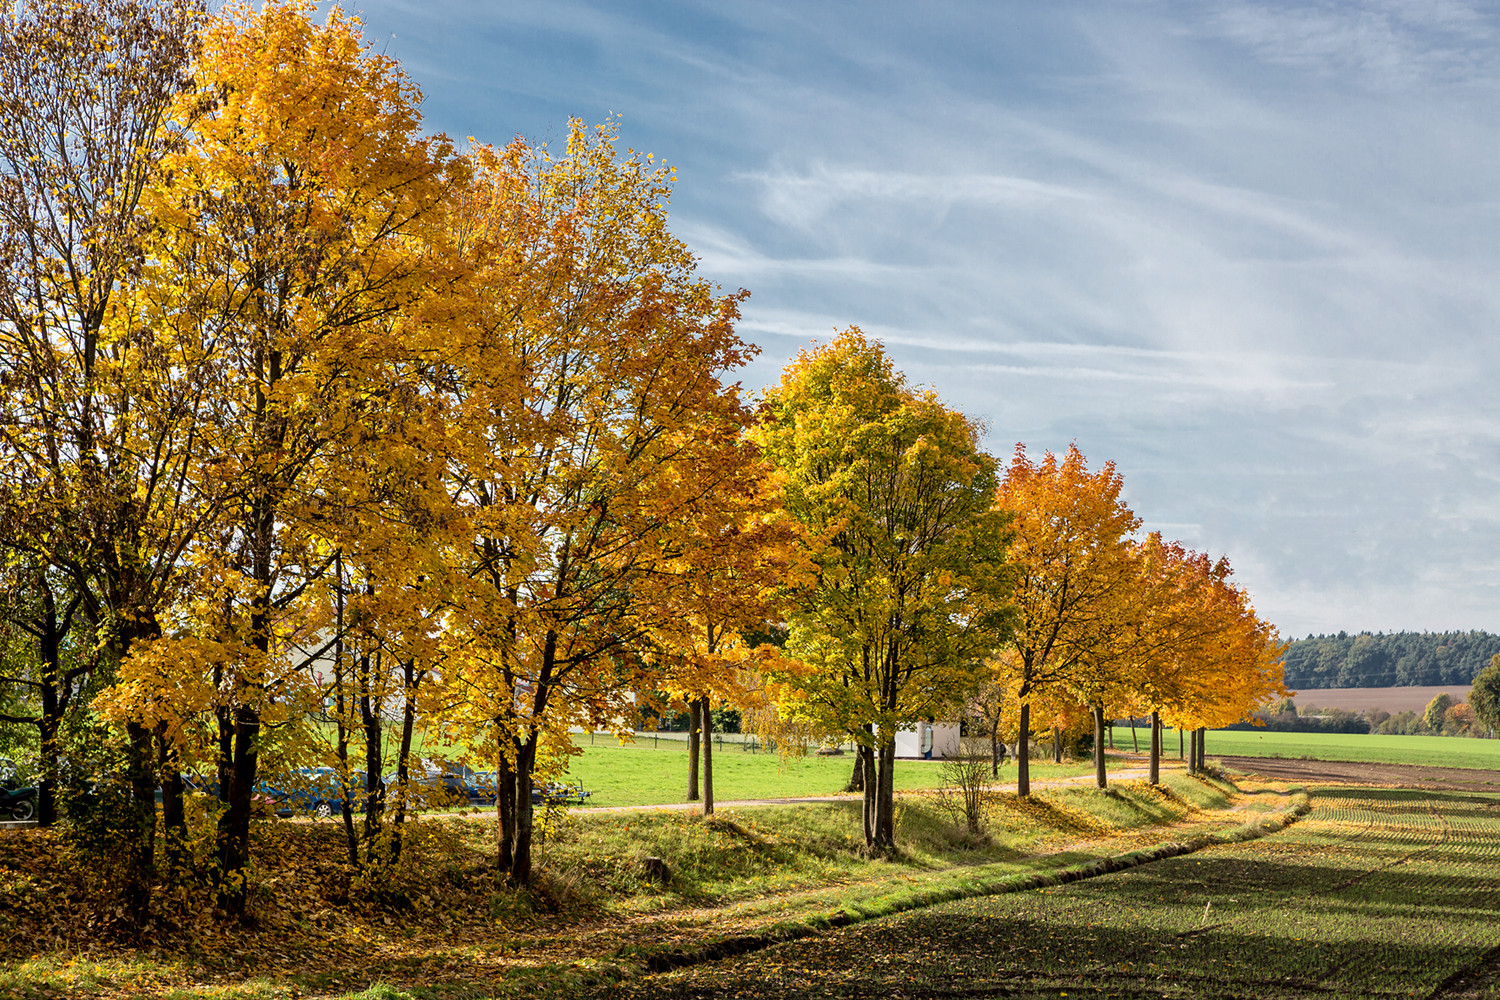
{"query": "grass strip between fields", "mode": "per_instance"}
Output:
(964, 882)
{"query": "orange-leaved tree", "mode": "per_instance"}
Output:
(1202, 656)
(1070, 550)
(294, 232)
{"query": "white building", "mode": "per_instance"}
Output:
(928, 740)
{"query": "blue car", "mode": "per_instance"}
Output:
(317, 792)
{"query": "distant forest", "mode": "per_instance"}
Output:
(1381, 660)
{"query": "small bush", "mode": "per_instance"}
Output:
(965, 792)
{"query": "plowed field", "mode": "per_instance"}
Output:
(1388, 775)
(1377, 892)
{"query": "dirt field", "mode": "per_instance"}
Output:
(1387, 775)
(1391, 699)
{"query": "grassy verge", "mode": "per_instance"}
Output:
(436, 928)
(1376, 893)
(645, 774)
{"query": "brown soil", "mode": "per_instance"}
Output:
(1460, 779)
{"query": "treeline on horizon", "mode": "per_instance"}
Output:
(1396, 659)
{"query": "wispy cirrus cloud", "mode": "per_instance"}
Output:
(1246, 248)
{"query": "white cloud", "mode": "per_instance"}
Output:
(1245, 248)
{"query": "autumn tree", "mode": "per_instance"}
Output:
(720, 593)
(909, 575)
(1205, 658)
(1105, 670)
(292, 240)
(1071, 527)
(93, 419)
(588, 422)
(1485, 695)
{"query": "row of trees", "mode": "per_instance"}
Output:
(306, 415)
(304, 410)
(936, 578)
(1442, 716)
(1388, 660)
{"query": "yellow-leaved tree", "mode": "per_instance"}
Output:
(294, 236)
(97, 410)
(587, 423)
(721, 591)
(909, 575)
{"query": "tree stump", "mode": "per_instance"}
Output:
(656, 870)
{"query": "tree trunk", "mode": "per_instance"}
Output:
(341, 750)
(234, 824)
(1099, 776)
(857, 778)
(403, 759)
(1192, 752)
(174, 818)
(1155, 777)
(1023, 753)
(52, 711)
(50, 751)
(1057, 744)
(142, 857)
(1135, 741)
(505, 806)
(520, 864)
(995, 749)
(885, 802)
(1112, 734)
(708, 756)
(346, 799)
(867, 759)
(1180, 754)
(694, 709)
(1202, 749)
(374, 730)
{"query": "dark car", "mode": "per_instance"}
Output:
(543, 793)
(438, 784)
(317, 792)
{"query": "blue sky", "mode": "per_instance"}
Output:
(1246, 250)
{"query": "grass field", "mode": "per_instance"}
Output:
(1376, 893)
(1436, 751)
(645, 774)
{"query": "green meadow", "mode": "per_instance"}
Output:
(654, 772)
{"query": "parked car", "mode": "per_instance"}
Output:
(558, 793)
(437, 784)
(317, 792)
(193, 784)
(543, 793)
